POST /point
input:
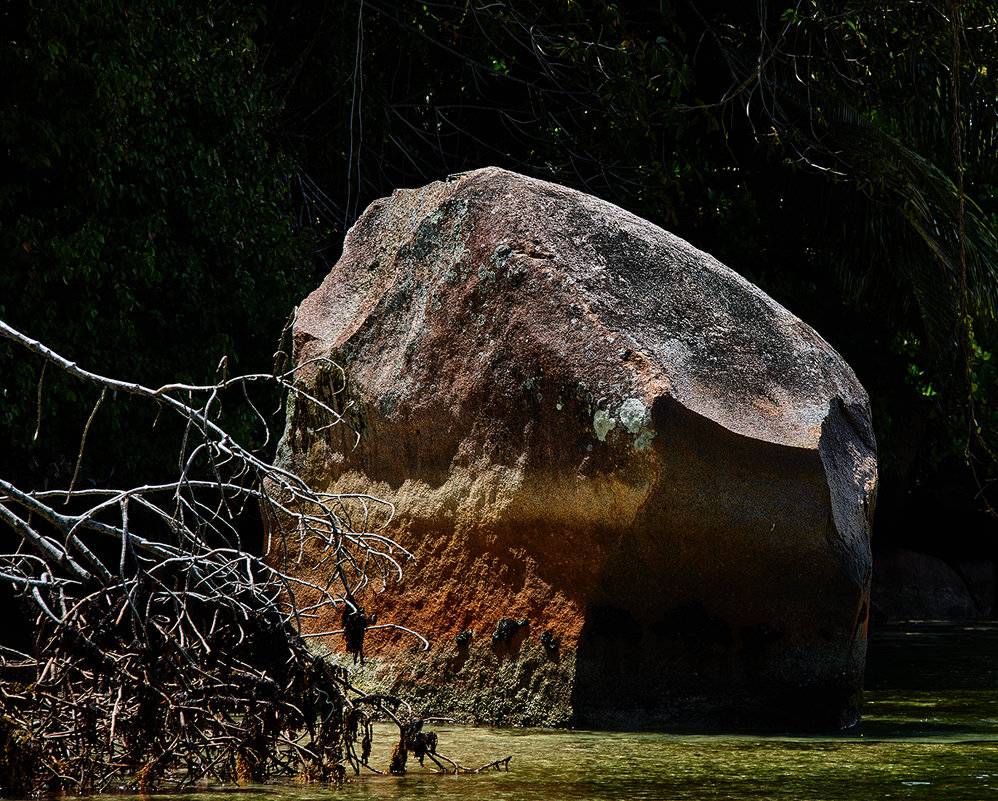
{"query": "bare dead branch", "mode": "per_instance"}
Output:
(166, 654)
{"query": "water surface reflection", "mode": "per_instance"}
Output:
(930, 731)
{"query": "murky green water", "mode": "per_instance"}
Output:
(930, 731)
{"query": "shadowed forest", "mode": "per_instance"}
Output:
(176, 180)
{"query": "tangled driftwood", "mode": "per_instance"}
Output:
(165, 654)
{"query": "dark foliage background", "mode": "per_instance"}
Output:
(175, 180)
(144, 226)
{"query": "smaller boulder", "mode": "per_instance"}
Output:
(909, 585)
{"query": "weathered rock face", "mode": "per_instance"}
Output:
(587, 424)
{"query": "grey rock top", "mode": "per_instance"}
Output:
(704, 335)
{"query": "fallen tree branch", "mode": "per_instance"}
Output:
(166, 654)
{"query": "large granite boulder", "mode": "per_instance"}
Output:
(639, 491)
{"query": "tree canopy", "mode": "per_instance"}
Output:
(143, 214)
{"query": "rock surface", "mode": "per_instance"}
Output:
(602, 434)
(909, 585)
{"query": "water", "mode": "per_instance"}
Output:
(930, 731)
